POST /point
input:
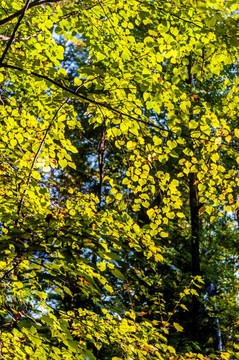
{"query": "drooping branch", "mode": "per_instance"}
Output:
(84, 97)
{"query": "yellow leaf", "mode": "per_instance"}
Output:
(36, 175)
(63, 163)
(237, 133)
(157, 140)
(225, 355)
(150, 213)
(180, 215)
(215, 157)
(119, 196)
(177, 327)
(158, 355)
(219, 140)
(77, 81)
(131, 145)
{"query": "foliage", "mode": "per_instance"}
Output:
(118, 165)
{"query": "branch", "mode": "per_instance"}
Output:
(84, 97)
(101, 151)
(66, 16)
(6, 38)
(14, 31)
(172, 14)
(22, 11)
(36, 156)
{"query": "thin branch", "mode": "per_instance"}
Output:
(172, 14)
(6, 38)
(67, 16)
(188, 21)
(101, 155)
(84, 97)
(16, 261)
(14, 31)
(36, 156)
(22, 11)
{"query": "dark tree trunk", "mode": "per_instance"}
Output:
(195, 225)
(196, 312)
(216, 332)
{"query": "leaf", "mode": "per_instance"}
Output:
(180, 215)
(117, 149)
(36, 175)
(118, 196)
(118, 274)
(77, 81)
(184, 307)
(63, 163)
(131, 145)
(101, 266)
(178, 327)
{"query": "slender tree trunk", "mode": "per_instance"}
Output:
(196, 312)
(216, 332)
(195, 225)
(193, 193)
(101, 151)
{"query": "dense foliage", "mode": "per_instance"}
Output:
(119, 141)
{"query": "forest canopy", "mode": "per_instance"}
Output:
(119, 153)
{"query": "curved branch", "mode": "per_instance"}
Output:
(36, 156)
(22, 11)
(84, 97)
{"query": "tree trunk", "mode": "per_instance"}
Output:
(195, 226)
(196, 312)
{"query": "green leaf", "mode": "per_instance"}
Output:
(118, 274)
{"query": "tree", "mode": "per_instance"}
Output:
(118, 136)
